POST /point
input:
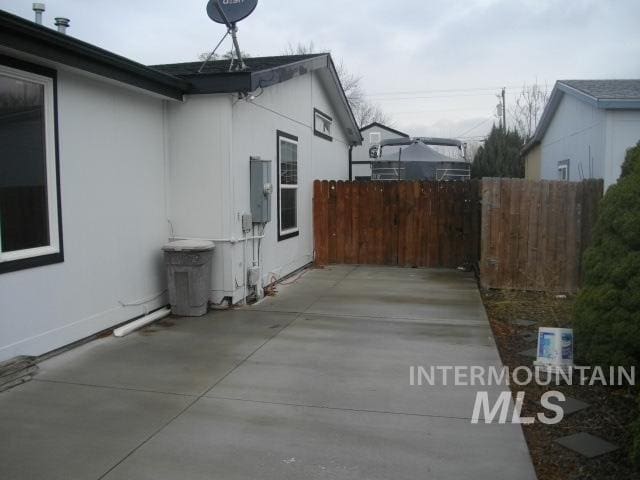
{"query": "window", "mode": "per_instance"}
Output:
(30, 233)
(322, 124)
(287, 186)
(563, 170)
(374, 138)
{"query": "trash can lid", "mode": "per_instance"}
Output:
(189, 246)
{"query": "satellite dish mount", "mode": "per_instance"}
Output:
(229, 12)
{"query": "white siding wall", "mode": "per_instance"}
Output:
(576, 128)
(200, 191)
(361, 153)
(211, 141)
(128, 163)
(287, 107)
(114, 222)
(623, 132)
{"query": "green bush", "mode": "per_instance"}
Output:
(607, 310)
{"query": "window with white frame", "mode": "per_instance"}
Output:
(287, 186)
(563, 170)
(29, 206)
(374, 138)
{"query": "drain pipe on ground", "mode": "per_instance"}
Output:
(141, 322)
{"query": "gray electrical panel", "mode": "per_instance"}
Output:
(261, 190)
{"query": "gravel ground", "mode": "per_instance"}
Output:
(611, 409)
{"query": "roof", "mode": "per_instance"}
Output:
(31, 38)
(175, 80)
(607, 89)
(385, 127)
(262, 72)
(254, 64)
(600, 94)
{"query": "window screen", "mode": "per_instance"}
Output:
(287, 185)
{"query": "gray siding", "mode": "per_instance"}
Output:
(579, 130)
(576, 129)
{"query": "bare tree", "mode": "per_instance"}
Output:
(365, 111)
(528, 109)
(225, 56)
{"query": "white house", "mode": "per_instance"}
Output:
(372, 135)
(585, 131)
(103, 160)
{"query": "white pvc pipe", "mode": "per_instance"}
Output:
(231, 240)
(244, 268)
(141, 322)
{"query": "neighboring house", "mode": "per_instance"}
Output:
(104, 160)
(585, 131)
(372, 135)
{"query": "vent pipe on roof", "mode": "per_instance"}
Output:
(39, 9)
(62, 24)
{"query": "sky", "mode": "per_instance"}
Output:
(434, 66)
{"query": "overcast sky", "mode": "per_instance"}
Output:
(433, 65)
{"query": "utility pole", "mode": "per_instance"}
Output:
(504, 110)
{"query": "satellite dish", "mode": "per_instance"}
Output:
(233, 10)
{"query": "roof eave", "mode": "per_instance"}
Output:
(282, 73)
(355, 136)
(530, 145)
(545, 118)
(389, 129)
(600, 102)
(27, 37)
(231, 82)
(579, 94)
(618, 104)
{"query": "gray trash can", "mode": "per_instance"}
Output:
(188, 265)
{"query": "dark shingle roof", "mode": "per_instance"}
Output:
(607, 89)
(254, 64)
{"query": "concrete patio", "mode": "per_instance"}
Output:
(310, 384)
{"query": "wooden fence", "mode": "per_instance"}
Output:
(418, 224)
(533, 234)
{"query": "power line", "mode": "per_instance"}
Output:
(417, 112)
(474, 127)
(446, 90)
(411, 92)
(393, 99)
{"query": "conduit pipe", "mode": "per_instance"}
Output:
(141, 322)
(231, 240)
(244, 268)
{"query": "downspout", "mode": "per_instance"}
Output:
(350, 162)
(167, 164)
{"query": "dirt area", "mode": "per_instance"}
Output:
(611, 409)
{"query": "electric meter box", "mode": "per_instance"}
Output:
(261, 190)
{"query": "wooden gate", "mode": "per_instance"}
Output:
(418, 224)
(534, 233)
